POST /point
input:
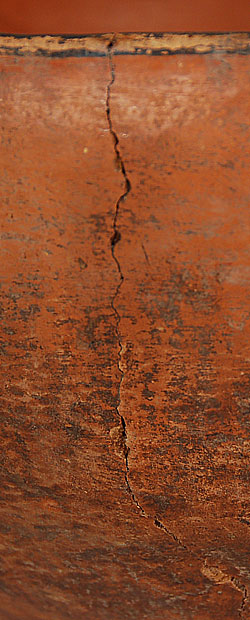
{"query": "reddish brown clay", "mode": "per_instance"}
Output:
(78, 17)
(125, 334)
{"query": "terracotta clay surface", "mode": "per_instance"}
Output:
(125, 329)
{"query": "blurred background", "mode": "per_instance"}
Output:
(82, 17)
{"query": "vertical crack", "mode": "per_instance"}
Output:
(116, 236)
(119, 433)
(145, 253)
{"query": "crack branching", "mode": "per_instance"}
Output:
(119, 434)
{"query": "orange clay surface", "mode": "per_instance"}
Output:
(82, 16)
(125, 330)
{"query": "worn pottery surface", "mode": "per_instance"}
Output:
(125, 330)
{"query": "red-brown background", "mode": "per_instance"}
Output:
(79, 17)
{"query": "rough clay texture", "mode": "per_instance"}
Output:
(125, 338)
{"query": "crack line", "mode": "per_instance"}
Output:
(121, 431)
(115, 238)
(120, 163)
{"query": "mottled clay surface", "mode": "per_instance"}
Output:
(125, 328)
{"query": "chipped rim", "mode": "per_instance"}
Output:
(124, 44)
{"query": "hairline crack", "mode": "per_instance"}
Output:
(115, 238)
